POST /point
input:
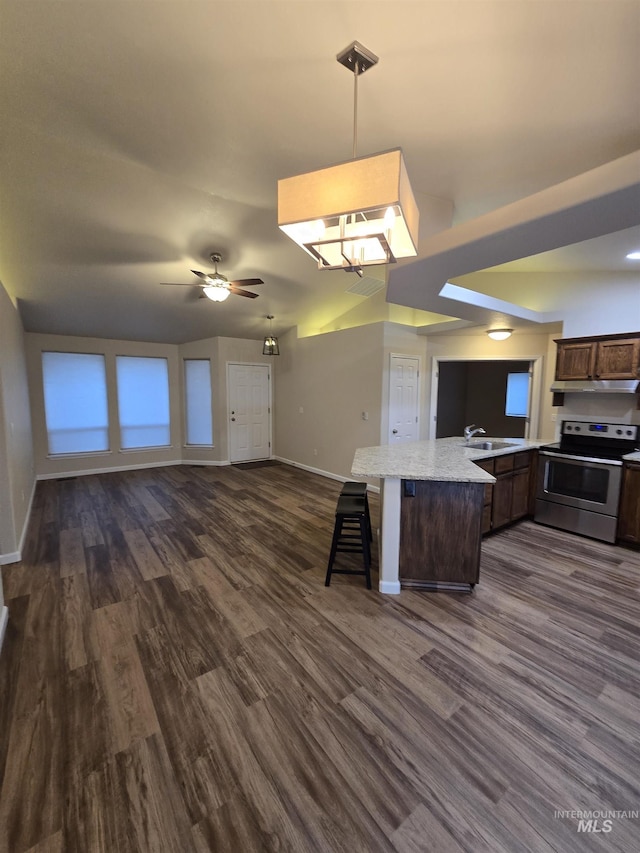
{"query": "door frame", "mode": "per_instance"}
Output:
(266, 365)
(535, 386)
(417, 358)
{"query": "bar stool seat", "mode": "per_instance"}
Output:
(359, 490)
(351, 534)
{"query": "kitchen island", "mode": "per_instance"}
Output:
(432, 497)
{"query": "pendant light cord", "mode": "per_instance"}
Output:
(355, 109)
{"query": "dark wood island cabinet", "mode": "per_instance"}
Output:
(436, 503)
(440, 534)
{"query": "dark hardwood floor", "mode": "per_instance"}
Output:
(176, 677)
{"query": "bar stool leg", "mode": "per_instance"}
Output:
(337, 529)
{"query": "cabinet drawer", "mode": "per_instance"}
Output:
(522, 460)
(504, 464)
(486, 465)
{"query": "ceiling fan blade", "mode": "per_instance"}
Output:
(179, 284)
(247, 282)
(202, 275)
(248, 293)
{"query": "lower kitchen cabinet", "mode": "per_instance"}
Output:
(440, 534)
(629, 513)
(510, 497)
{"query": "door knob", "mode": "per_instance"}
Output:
(395, 431)
(233, 419)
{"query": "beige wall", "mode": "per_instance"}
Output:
(17, 478)
(518, 346)
(322, 386)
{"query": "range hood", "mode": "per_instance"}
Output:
(596, 386)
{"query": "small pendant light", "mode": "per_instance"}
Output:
(270, 345)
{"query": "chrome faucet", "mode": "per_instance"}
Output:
(471, 430)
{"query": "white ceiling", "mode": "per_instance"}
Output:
(138, 137)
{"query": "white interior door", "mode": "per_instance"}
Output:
(249, 411)
(404, 412)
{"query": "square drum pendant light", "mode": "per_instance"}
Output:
(354, 214)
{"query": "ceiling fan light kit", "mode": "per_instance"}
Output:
(217, 287)
(354, 214)
(216, 292)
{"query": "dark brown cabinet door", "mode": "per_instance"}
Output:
(629, 517)
(502, 493)
(440, 528)
(608, 357)
(576, 360)
(520, 494)
(618, 359)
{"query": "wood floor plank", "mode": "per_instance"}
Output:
(176, 676)
(72, 559)
(130, 710)
(421, 825)
(78, 624)
(145, 556)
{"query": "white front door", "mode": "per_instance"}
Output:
(249, 412)
(403, 399)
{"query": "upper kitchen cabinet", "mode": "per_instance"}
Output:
(607, 357)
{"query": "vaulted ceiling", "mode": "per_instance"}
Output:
(138, 137)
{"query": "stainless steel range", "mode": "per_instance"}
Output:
(579, 478)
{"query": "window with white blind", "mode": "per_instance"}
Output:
(143, 401)
(197, 392)
(75, 402)
(517, 402)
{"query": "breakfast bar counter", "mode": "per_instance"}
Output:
(432, 497)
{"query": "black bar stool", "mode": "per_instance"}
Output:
(359, 490)
(350, 536)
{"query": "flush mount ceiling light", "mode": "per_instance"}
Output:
(500, 334)
(634, 256)
(270, 345)
(354, 214)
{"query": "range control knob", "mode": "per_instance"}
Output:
(577, 429)
(619, 432)
(569, 427)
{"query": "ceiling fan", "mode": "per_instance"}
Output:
(216, 286)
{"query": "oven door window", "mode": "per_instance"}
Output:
(578, 481)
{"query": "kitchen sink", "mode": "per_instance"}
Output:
(491, 445)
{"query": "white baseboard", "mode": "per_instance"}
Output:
(27, 517)
(16, 556)
(4, 621)
(322, 473)
(62, 475)
(389, 587)
(205, 463)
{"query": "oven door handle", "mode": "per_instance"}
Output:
(568, 457)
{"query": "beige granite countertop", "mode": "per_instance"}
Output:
(632, 457)
(442, 459)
